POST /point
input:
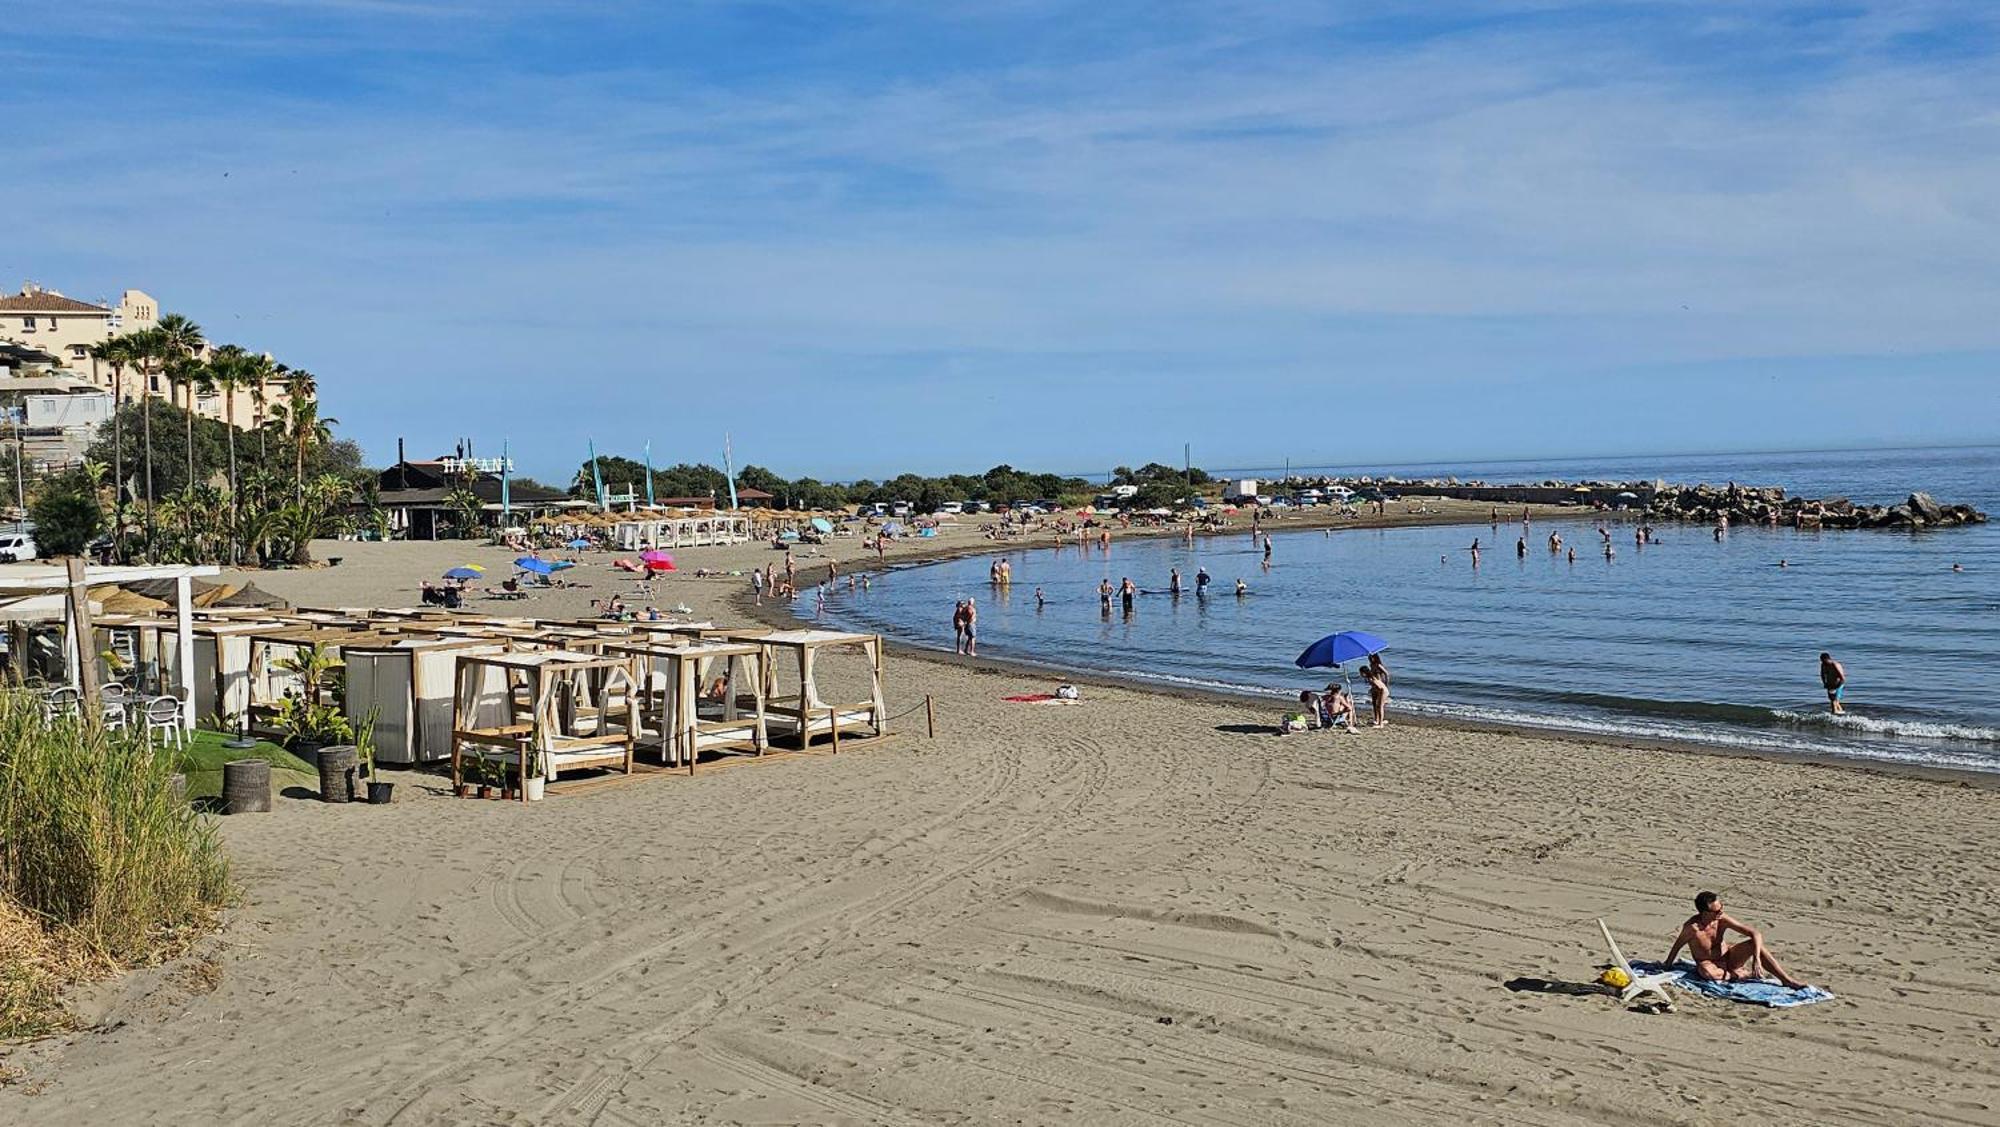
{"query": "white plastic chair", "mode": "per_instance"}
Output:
(163, 714)
(1640, 984)
(62, 701)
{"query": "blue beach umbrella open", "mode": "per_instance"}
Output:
(466, 571)
(1334, 649)
(579, 544)
(821, 524)
(539, 567)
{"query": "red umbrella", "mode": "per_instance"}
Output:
(657, 560)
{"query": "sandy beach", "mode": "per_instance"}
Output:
(1131, 908)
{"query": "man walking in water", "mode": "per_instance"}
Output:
(1745, 961)
(1833, 675)
(971, 628)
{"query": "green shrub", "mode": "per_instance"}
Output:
(95, 845)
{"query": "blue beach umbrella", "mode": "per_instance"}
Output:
(465, 572)
(579, 544)
(1348, 645)
(539, 567)
(821, 524)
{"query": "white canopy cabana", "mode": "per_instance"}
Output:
(73, 579)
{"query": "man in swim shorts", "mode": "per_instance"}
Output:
(1833, 675)
(1744, 961)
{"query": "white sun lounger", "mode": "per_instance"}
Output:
(1640, 984)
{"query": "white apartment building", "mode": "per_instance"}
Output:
(67, 328)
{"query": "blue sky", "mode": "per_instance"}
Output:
(871, 236)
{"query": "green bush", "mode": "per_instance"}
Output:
(93, 841)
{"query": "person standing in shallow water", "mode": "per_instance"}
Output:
(1833, 676)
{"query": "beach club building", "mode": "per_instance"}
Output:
(417, 495)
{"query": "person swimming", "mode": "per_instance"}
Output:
(1242, 588)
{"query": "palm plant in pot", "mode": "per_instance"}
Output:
(308, 727)
(310, 721)
(380, 793)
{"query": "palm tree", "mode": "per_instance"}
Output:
(186, 372)
(117, 352)
(231, 368)
(148, 348)
(183, 341)
(301, 424)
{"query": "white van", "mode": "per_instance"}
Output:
(16, 547)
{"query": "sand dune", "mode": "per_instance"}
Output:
(1124, 910)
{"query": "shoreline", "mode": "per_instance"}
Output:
(784, 617)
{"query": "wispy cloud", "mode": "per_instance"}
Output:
(843, 220)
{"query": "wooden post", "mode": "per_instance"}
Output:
(833, 726)
(81, 635)
(930, 716)
(184, 641)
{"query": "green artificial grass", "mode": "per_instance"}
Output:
(203, 759)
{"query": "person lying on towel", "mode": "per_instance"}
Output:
(1743, 961)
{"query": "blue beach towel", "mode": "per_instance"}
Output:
(1754, 993)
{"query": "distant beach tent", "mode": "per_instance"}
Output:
(1334, 649)
(465, 571)
(893, 528)
(657, 561)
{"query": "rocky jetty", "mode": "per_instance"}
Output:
(1769, 505)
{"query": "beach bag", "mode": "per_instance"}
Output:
(1067, 692)
(1293, 722)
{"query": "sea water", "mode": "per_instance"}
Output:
(1686, 639)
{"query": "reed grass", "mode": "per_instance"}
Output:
(96, 848)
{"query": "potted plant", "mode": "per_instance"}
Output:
(308, 727)
(379, 793)
(315, 722)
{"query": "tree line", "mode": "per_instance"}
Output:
(1001, 485)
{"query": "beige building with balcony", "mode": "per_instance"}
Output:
(66, 328)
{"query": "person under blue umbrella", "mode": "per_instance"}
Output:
(1354, 645)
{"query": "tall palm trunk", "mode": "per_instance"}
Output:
(147, 402)
(118, 462)
(235, 505)
(190, 435)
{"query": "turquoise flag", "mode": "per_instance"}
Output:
(506, 496)
(596, 478)
(649, 475)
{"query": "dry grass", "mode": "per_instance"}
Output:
(102, 867)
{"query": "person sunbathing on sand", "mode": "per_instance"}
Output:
(1745, 961)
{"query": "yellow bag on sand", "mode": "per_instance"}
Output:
(1615, 978)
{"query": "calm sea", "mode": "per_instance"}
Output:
(1687, 639)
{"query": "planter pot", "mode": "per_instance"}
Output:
(462, 790)
(307, 750)
(485, 791)
(507, 793)
(535, 788)
(380, 794)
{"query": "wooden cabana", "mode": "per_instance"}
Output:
(805, 713)
(544, 712)
(222, 671)
(677, 712)
(410, 684)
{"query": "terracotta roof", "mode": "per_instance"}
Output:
(44, 302)
(752, 494)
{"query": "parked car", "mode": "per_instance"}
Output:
(16, 547)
